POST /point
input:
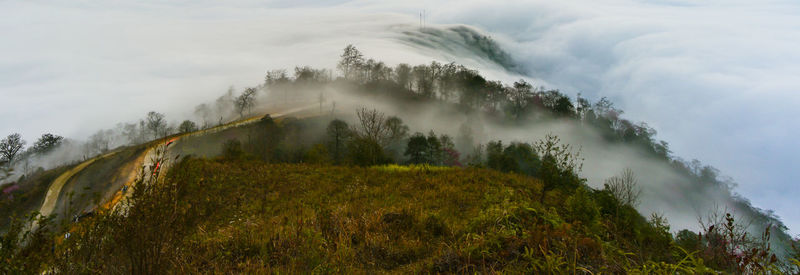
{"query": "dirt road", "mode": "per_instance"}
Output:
(144, 160)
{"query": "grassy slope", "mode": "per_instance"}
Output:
(299, 218)
(29, 197)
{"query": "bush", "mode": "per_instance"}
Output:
(687, 240)
(582, 208)
(318, 154)
(232, 149)
(367, 152)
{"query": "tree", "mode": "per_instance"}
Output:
(351, 61)
(582, 207)
(495, 95)
(432, 150)
(307, 74)
(338, 135)
(417, 149)
(133, 133)
(516, 157)
(448, 154)
(373, 125)
(519, 96)
(563, 106)
(397, 131)
(46, 143)
(156, 124)
(99, 142)
(245, 101)
(560, 165)
(582, 107)
(269, 136)
(445, 79)
(472, 86)
(187, 126)
(10, 147)
(624, 187)
(496, 159)
(424, 80)
(605, 108)
(366, 152)
(276, 77)
(403, 75)
(376, 71)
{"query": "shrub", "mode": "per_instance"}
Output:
(582, 208)
(232, 149)
(366, 152)
(318, 154)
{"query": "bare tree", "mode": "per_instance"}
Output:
(99, 142)
(10, 147)
(624, 187)
(132, 133)
(244, 102)
(373, 125)
(156, 124)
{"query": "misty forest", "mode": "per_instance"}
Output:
(370, 167)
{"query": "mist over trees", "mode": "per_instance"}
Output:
(46, 143)
(373, 137)
(518, 104)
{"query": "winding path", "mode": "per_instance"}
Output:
(53, 192)
(144, 160)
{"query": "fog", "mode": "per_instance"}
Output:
(665, 191)
(716, 78)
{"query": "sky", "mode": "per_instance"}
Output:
(718, 80)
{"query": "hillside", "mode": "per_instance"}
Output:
(247, 216)
(412, 169)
